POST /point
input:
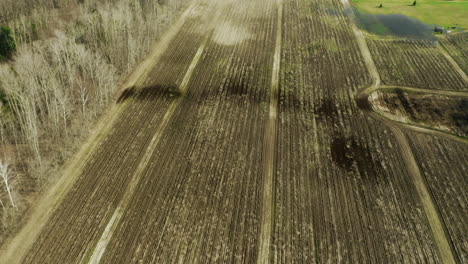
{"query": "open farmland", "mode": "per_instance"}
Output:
(441, 158)
(246, 136)
(444, 164)
(118, 153)
(341, 181)
(456, 46)
(204, 204)
(415, 63)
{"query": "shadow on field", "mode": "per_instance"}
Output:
(394, 24)
(346, 151)
(240, 89)
(235, 90)
(326, 110)
(149, 93)
(363, 103)
(236, 87)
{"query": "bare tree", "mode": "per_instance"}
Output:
(7, 178)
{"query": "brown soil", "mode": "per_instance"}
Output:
(248, 150)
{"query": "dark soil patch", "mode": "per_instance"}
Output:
(236, 86)
(363, 103)
(346, 152)
(239, 88)
(460, 116)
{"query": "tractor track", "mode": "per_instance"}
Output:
(439, 230)
(132, 186)
(269, 154)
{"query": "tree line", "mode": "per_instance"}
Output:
(61, 72)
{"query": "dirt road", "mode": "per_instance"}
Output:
(238, 140)
(269, 150)
(439, 232)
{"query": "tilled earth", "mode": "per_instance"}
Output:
(219, 156)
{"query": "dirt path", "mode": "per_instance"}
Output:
(371, 89)
(270, 149)
(14, 249)
(361, 41)
(454, 63)
(414, 128)
(433, 216)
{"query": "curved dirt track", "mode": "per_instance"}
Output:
(409, 125)
(239, 140)
(439, 231)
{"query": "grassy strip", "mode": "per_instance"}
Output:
(441, 13)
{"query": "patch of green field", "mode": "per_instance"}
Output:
(378, 29)
(441, 13)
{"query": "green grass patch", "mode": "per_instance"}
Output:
(441, 13)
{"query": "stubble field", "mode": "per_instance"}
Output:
(243, 141)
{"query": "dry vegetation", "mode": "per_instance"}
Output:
(440, 112)
(13, 9)
(66, 70)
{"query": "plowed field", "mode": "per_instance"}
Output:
(240, 140)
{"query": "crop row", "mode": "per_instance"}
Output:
(342, 191)
(441, 161)
(77, 223)
(444, 164)
(457, 47)
(415, 63)
(200, 196)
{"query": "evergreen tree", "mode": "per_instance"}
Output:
(7, 43)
